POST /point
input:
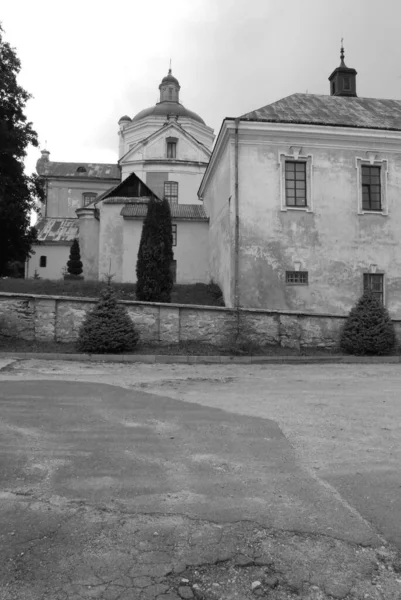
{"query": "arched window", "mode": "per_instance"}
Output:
(171, 191)
(81, 170)
(88, 197)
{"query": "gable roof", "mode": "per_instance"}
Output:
(163, 130)
(338, 111)
(70, 169)
(132, 187)
(57, 231)
(179, 212)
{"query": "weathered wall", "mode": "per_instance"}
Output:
(64, 196)
(47, 318)
(57, 257)
(89, 246)
(218, 200)
(111, 233)
(332, 241)
(191, 251)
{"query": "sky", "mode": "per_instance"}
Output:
(87, 63)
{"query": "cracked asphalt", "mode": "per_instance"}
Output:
(180, 481)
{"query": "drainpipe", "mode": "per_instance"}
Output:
(236, 230)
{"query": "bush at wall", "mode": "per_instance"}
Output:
(107, 328)
(74, 264)
(368, 328)
(155, 254)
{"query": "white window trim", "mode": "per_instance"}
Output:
(376, 272)
(371, 159)
(294, 154)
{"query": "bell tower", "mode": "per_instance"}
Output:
(343, 79)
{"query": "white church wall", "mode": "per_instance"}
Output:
(89, 246)
(56, 261)
(111, 241)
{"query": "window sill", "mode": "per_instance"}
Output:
(296, 208)
(373, 212)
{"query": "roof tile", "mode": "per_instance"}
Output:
(67, 169)
(57, 230)
(184, 212)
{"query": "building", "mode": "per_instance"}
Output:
(163, 150)
(304, 201)
(68, 186)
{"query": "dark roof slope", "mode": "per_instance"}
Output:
(311, 109)
(57, 230)
(183, 212)
(162, 109)
(78, 170)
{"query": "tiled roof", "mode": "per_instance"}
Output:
(67, 169)
(126, 200)
(57, 230)
(184, 212)
(370, 113)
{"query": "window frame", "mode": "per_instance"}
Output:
(171, 149)
(43, 261)
(296, 170)
(170, 197)
(367, 171)
(85, 195)
(373, 161)
(174, 232)
(294, 155)
(299, 278)
(368, 279)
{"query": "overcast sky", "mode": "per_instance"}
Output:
(89, 62)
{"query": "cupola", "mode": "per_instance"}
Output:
(343, 79)
(169, 88)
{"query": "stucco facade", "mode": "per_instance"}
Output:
(318, 256)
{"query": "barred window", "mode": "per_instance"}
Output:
(171, 191)
(371, 188)
(295, 183)
(374, 283)
(296, 277)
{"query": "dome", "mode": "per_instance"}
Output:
(124, 118)
(162, 109)
(169, 79)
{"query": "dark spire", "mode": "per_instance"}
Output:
(343, 80)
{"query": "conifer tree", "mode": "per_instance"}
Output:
(74, 264)
(108, 327)
(368, 328)
(18, 191)
(155, 255)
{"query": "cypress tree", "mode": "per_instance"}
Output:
(368, 328)
(108, 327)
(155, 254)
(74, 264)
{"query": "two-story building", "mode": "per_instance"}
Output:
(304, 202)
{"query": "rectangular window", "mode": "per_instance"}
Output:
(296, 277)
(171, 149)
(295, 183)
(346, 84)
(171, 191)
(174, 235)
(43, 261)
(374, 283)
(371, 188)
(88, 197)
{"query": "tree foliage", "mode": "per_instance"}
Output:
(18, 191)
(155, 255)
(108, 327)
(368, 328)
(74, 264)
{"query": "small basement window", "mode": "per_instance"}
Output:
(43, 261)
(296, 277)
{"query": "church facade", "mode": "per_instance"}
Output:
(167, 147)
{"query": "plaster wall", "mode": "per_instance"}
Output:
(334, 243)
(57, 257)
(65, 196)
(218, 201)
(111, 241)
(89, 246)
(191, 251)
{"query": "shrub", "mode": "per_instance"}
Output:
(368, 328)
(155, 254)
(108, 327)
(74, 265)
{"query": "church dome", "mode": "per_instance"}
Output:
(169, 104)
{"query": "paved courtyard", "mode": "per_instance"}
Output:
(214, 482)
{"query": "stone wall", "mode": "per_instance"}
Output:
(51, 318)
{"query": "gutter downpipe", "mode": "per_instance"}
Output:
(236, 230)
